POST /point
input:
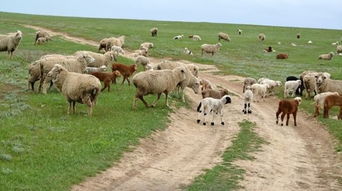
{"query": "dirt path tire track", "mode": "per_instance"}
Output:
(296, 158)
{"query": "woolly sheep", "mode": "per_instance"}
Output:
(140, 52)
(248, 98)
(100, 59)
(259, 90)
(117, 50)
(271, 84)
(319, 101)
(224, 36)
(42, 40)
(210, 48)
(262, 36)
(187, 51)
(195, 37)
(339, 49)
(206, 85)
(154, 31)
(157, 82)
(82, 88)
(146, 45)
(142, 60)
(309, 81)
(107, 43)
(178, 37)
(324, 84)
(41, 34)
(326, 56)
(89, 70)
(248, 82)
(290, 87)
(10, 42)
(34, 74)
(171, 65)
(293, 44)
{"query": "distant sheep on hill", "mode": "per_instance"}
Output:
(223, 36)
(262, 37)
(210, 48)
(328, 56)
(154, 31)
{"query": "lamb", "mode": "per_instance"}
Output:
(126, 71)
(178, 37)
(146, 45)
(287, 107)
(248, 82)
(157, 82)
(339, 49)
(213, 106)
(117, 50)
(224, 36)
(89, 70)
(42, 40)
(326, 56)
(324, 84)
(154, 31)
(259, 90)
(195, 37)
(10, 42)
(319, 101)
(291, 87)
(171, 65)
(271, 84)
(105, 59)
(210, 48)
(206, 85)
(261, 36)
(41, 34)
(282, 56)
(142, 60)
(329, 102)
(248, 98)
(217, 94)
(239, 31)
(187, 51)
(107, 78)
(82, 88)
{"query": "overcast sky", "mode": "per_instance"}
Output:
(299, 13)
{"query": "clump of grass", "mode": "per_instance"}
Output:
(5, 157)
(6, 171)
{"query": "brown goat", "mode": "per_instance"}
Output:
(329, 102)
(126, 71)
(282, 56)
(287, 107)
(107, 78)
(217, 94)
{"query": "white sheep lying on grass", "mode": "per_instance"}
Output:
(248, 98)
(291, 87)
(82, 88)
(213, 106)
(328, 56)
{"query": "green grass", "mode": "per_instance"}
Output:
(226, 176)
(43, 148)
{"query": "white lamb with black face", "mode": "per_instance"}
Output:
(213, 106)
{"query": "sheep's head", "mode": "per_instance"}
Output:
(320, 78)
(278, 83)
(55, 71)
(219, 44)
(298, 99)
(18, 35)
(331, 54)
(248, 88)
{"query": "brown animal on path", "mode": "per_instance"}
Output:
(217, 94)
(287, 107)
(107, 78)
(330, 101)
(282, 56)
(126, 71)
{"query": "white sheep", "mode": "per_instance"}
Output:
(324, 84)
(262, 36)
(248, 98)
(293, 44)
(117, 50)
(146, 45)
(224, 36)
(210, 48)
(319, 101)
(41, 34)
(339, 49)
(309, 42)
(142, 60)
(82, 88)
(157, 82)
(326, 56)
(248, 82)
(214, 106)
(42, 40)
(178, 37)
(100, 59)
(195, 37)
(239, 31)
(271, 84)
(290, 87)
(10, 42)
(260, 91)
(187, 51)
(89, 70)
(140, 52)
(107, 43)
(171, 65)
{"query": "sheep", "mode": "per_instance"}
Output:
(259, 90)
(171, 65)
(326, 56)
(319, 101)
(261, 36)
(141, 52)
(42, 40)
(291, 87)
(248, 82)
(217, 94)
(206, 84)
(82, 88)
(287, 107)
(309, 42)
(324, 84)
(239, 31)
(195, 37)
(107, 78)
(126, 71)
(178, 37)
(157, 82)
(339, 49)
(187, 51)
(34, 74)
(329, 102)
(224, 36)
(95, 69)
(298, 35)
(299, 90)
(100, 59)
(248, 98)
(107, 43)
(154, 31)
(282, 56)
(117, 50)
(335, 43)
(269, 49)
(293, 44)
(10, 42)
(210, 48)
(142, 60)
(41, 34)
(308, 82)
(271, 84)
(213, 106)
(146, 45)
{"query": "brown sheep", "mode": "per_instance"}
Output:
(217, 94)
(282, 56)
(329, 102)
(107, 78)
(287, 107)
(126, 71)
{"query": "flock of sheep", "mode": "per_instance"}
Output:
(78, 77)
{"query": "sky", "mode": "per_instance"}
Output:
(296, 13)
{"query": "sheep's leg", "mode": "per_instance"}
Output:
(340, 115)
(74, 107)
(213, 114)
(41, 83)
(221, 116)
(287, 119)
(316, 110)
(123, 79)
(70, 106)
(129, 82)
(166, 100)
(249, 108)
(202, 52)
(282, 118)
(205, 113)
(277, 116)
(326, 111)
(295, 118)
(155, 102)
(245, 109)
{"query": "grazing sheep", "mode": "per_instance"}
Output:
(260, 91)
(100, 59)
(271, 84)
(298, 35)
(319, 101)
(178, 37)
(195, 37)
(141, 52)
(117, 50)
(217, 94)
(206, 85)
(10, 42)
(282, 56)
(146, 45)
(239, 31)
(82, 88)
(107, 78)
(291, 87)
(262, 37)
(339, 49)
(224, 36)
(41, 34)
(42, 40)
(157, 82)
(326, 56)
(89, 70)
(309, 82)
(248, 98)
(126, 71)
(142, 60)
(324, 84)
(210, 48)
(154, 31)
(171, 65)
(287, 107)
(187, 51)
(299, 90)
(248, 82)
(329, 102)
(213, 106)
